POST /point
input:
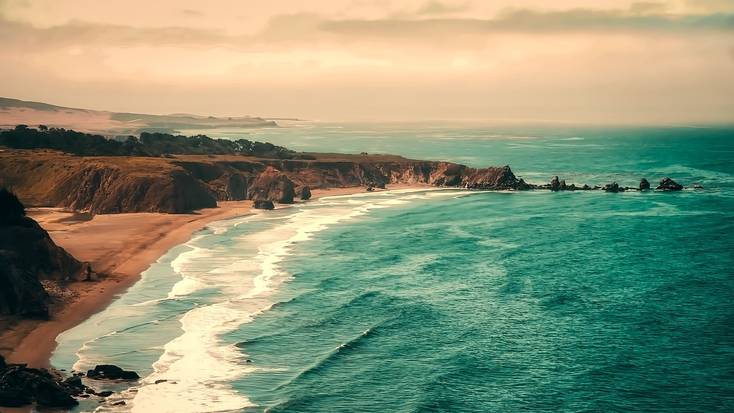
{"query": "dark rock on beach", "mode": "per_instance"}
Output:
(263, 204)
(304, 193)
(667, 184)
(20, 386)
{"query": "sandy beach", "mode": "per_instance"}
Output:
(119, 247)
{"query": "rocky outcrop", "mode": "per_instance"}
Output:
(273, 185)
(27, 256)
(20, 386)
(263, 204)
(111, 372)
(560, 185)
(104, 190)
(667, 184)
(491, 178)
(21, 293)
(230, 187)
(103, 184)
(644, 184)
(188, 182)
(304, 193)
(613, 187)
(555, 184)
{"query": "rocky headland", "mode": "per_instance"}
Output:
(28, 257)
(174, 174)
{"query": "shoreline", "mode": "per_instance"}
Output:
(121, 246)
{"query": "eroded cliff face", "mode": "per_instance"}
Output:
(28, 256)
(186, 183)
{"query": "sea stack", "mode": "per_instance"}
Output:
(555, 184)
(644, 184)
(667, 184)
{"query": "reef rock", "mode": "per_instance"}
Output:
(644, 184)
(667, 184)
(613, 187)
(111, 372)
(555, 184)
(493, 178)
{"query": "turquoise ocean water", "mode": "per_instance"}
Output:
(446, 300)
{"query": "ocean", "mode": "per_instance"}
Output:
(445, 300)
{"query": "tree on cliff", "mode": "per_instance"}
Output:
(149, 144)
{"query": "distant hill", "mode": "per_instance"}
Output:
(15, 112)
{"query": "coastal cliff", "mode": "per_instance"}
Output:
(27, 257)
(183, 183)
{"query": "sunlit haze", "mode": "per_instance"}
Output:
(560, 61)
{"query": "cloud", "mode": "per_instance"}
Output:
(84, 33)
(433, 8)
(309, 28)
(534, 22)
(710, 6)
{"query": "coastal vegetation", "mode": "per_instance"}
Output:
(147, 144)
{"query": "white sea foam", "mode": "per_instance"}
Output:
(199, 366)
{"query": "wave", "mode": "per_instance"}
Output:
(199, 361)
(333, 355)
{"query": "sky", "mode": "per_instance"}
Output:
(591, 61)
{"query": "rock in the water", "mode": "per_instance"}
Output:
(75, 383)
(555, 184)
(111, 372)
(644, 184)
(106, 393)
(304, 193)
(263, 204)
(129, 375)
(522, 185)
(613, 187)
(667, 184)
(492, 178)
